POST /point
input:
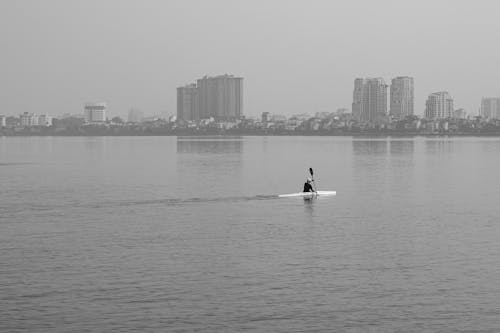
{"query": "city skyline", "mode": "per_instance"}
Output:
(398, 104)
(276, 47)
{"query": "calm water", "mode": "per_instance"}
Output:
(185, 234)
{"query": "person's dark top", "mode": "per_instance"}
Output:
(308, 188)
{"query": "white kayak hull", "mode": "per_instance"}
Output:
(308, 194)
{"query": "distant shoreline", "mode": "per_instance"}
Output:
(229, 134)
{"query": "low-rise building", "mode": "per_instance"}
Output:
(28, 119)
(459, 114)
(45, 120)
(266, 117)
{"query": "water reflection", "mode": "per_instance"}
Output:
(400, 147)
(215, 162)
(385, 164)
(439, 146)
(375, 147)
(401, 156)
(210, 145)
(95, 145)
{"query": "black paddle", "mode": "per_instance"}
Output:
(312, 178)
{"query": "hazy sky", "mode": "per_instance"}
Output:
(295, 56)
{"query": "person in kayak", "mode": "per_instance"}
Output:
(308, 186)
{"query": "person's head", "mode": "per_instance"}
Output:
(309, 180)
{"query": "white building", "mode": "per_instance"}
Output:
(25, 119)
(95, 113)
(439, 105)
(32, 119)
(28, 119)
(44, 120)
(3, 121)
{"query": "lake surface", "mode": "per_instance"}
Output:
(166, 234)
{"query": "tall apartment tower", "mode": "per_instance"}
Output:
(402, 97)
(95, 113)
(135, 116)
(220, 97)
(187, 103)
(439, 105)
(369, 102)
(490, 107)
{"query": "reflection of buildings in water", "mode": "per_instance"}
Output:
(385, 164)
(211, 161)
(402, 154)
(376, 147)
(264, 144)
(232, 145)
(398, 147)
(438, 147)
(95, 145)
(370, 163)
(363, 147)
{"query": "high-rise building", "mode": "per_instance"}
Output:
(3, 121)
(439, 105)
(135, 116)
(490, 107)
(220, 97)
(95, 113)
(187, 103)
(402, 97)
(369, 102)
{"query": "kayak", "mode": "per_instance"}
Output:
(308, 194)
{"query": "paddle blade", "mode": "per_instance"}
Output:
(311, 172)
